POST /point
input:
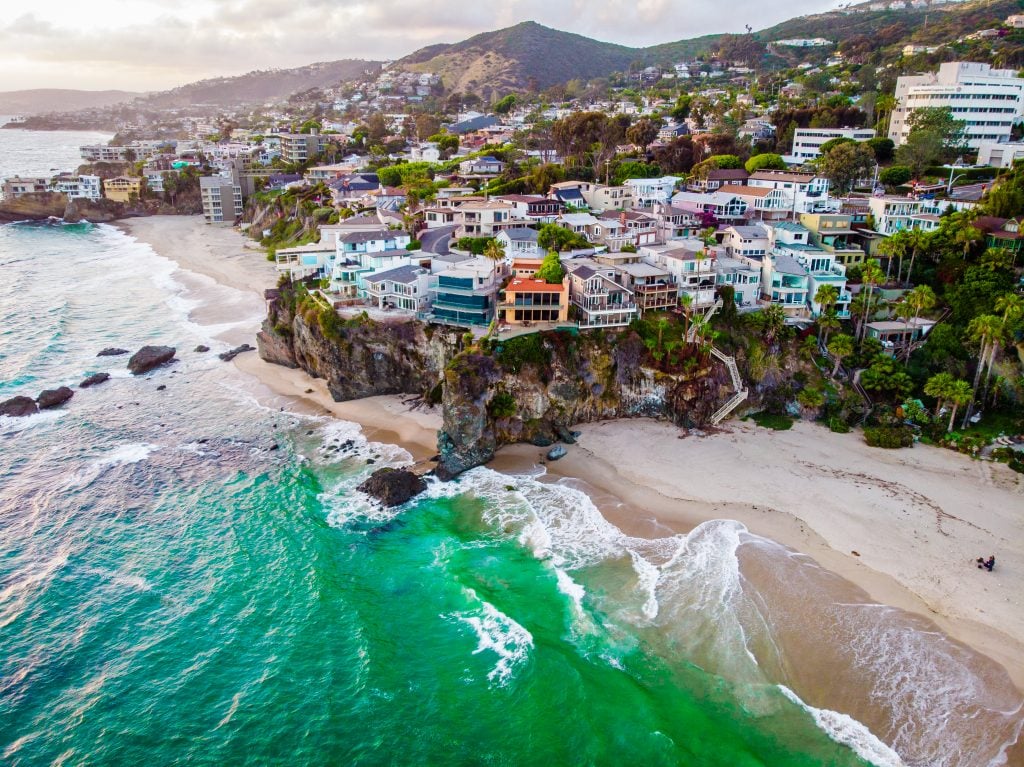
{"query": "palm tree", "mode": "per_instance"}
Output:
(938, 386)
(967, 236)
(840, 347)
(826, 296)
(1011, 306)
(827, 322)
(774, 317)
(894, 246)
(494, 251)
(916, 240)
(959, 393)
(871, 275)
(918, 300)
(983, 330)
(685, 303)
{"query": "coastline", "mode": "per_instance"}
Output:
(913, 520)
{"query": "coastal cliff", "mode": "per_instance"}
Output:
(40, 207)
(532, 388)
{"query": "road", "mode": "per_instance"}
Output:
(436, 240)
(969, 192)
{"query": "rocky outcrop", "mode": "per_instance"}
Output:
(203, 348)
(96, 378)
(111, 351)
(40, 207)
(230, 355)
(149, 357)
(54, 397)
(18, 407)
(393, 487)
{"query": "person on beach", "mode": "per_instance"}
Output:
(988, 564)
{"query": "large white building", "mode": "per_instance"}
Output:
(807, 141)
(1000, 155)
(988, 100)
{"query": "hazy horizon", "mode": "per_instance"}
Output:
(143, 46)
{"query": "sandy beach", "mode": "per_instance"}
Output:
(903, 525)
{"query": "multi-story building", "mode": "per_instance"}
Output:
(596, 197)
(747, 241)
(535, 208)
(404, 287)
(652, 286)
(891, 213)
(222, 199)
(691, 267)
(804, 192)
(18, 186)
(78, 187)
(519, 243)
(807, 141)
(834, 233)
(793, 241)
(359, 254)
(650, 192)
(988, 100)
(466, 293)
(1000, 154)
(299, 148)
(122, 188)
(722, 207)
(529, 300)
(718, 177)
(743, 275)
(484, 219)
(599, 298)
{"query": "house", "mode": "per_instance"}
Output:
(747, 241)
(598, 297)
(1015, 21)
(426, 151)
(354, 189)
(580, 223)
(675, 223)
(465, 294)
(535, 208)
(597, 197)
(785, 282)
(794, 241)
(1000, 154)
(743, 275)
(892, 214)
(304, 261)
(327, 173)
(122, 188)
(18, 186)
(766, 202)
(404, 287)
(77, 187)
(1001, 232)
(481, 167)
(519, 243)
(528, 300)
(720, 207)
(895, 335)
(648, 192)
(652, 286)
(222, 199)
(359, 254)
(805, 192)
(638, 228)
(716, 178)
(833, 232)
(436, 217)
(484, 219)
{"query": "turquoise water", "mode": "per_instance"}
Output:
(188, 576)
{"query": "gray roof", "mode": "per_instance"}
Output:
(521, 234)
(788, 265)
(360, 237)
(404, 274)
(751, 231)
(584, 272)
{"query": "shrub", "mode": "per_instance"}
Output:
(515, 353)
(772, 421)
(502, 405)
(838, 425)
(414, 245)
(889, 436)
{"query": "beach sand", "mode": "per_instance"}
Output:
(903, 525)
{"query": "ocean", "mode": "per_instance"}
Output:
(188, 575)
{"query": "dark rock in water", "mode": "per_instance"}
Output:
(370, 461)
(54, 397)
(393, 487)
(556, 452)
(112, 351)
(149, 357)
(228, 356)
(161, 387)
(201, 348)
(96, 378)
(16, 407)
(275, 446)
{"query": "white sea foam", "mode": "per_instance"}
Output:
(11, 425)
(849, 732)
(122, 455)
(499, 634)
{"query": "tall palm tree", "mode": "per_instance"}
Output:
(871, 275)
(1011, 306)
(894, 246)
(774, 317)
(967, 236)
(917, 239)
(686, 304)
(840, 347)
(959, 393)
(918, 300)
(983, 330)
(825, 296)
(938, 386)
(494, 251)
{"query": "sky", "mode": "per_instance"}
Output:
(156, 44)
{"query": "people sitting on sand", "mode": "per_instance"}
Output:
(988, 564)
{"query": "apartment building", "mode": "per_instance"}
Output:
(76, 187)
(465, 294)
(301, 147)
(988, 100)
(804, 192)
(18, 186)
(222, 199)
(807, 141)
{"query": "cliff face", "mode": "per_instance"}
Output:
(529, 389)
(495, 400)
(39, 207)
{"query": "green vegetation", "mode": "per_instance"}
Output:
(515, 353)
(551, 269)
(555, 237)
(889, 436)
(772, 421)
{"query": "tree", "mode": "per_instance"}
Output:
(917, 239)
(967, 236)
(495, 252)
(884, 148)
(871, 275)
(551, 270)
(939, 120)
(642, 133)
(920, 299)
(984, 330)
(773, 319)
(893, 246)
(676, 156)
(895, 175)
(829, 145)
(885, 377)
(958, 394)
(766, 161)
(505, 105)
(826, 297)
(557, 238)
(920, 151)
(938, 386)
(845, 164)
(840, 347)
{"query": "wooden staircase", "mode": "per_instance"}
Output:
(737, 384)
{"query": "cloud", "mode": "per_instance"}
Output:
(157, 48)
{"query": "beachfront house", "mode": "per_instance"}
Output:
(529, 300)
(404, 287)
(359, 254)
(598, 297)
(465, 293)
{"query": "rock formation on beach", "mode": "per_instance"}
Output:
(149, 357)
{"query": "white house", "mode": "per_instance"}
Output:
(648, 192)
(519, 242)
(805, 192)
(404, 287)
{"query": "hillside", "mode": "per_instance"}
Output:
(259, 86)
(38, 101)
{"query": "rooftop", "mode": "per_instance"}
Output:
(533, 285)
